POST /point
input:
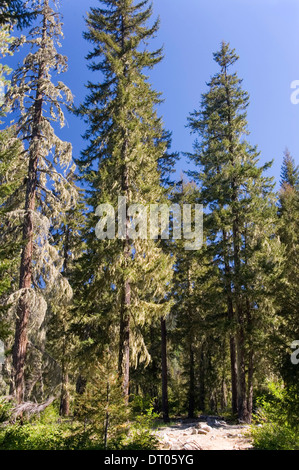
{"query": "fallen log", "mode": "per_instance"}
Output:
(30, 408)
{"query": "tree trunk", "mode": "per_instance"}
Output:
(165, 408)
(154, 369)
(64, 397)
(232, 341)
(107, 416)
(223, 401)
(124, 341)
(202, 384)
(242, 392)
(240, 338)
(81, 384)
(241, 354)
(250, 385)
(250, 364)
(23, 310)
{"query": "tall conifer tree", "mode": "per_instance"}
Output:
(16, 12)
(12, 172)
(125, 157)
(241, 220)
(39, 103)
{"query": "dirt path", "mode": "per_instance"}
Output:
(207, 433)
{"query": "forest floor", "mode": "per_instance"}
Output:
(204, 433)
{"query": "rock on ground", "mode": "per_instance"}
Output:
(208, 435)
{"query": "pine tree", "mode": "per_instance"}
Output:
(198, 316)
(39, 103)
(12, 172)
(101, 407)
(240, 202)
(126, 153)
(61, 339)
(289, 172)
(16, 12)
(184, 311)
(164, 371)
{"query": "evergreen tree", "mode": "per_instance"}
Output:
(240, 202)
(16, 12)
(287, 295)
(184, 311)
(5, 49)
(39, 102)
(61, 337)
(199, 317)
(127, 147)
(12, 172)
(289, 172)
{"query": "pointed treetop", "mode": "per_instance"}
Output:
(226, 56)
(16, 12)
(289, 171)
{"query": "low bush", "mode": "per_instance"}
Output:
(49, 432)
(273, 436)
(5, 408)
(31, 437)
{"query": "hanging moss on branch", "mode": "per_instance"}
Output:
(39, 103)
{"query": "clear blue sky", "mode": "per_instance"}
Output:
(265, 34)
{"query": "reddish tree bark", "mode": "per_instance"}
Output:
(165, 408)
(23, 310)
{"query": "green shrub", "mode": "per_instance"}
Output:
(5, 408)
(37, 436)
(141, 404)
(276, 421)
(47, 431)
(49, 416)
(272, 436)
